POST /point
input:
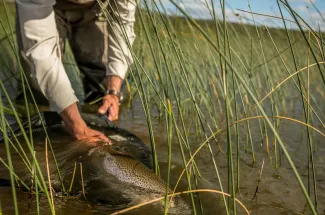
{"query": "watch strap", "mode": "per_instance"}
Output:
(115, 93)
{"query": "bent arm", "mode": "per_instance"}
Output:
(40, 41)
(121, 36)
(120, 39)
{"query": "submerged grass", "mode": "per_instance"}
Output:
(179, 193)
(197, 76)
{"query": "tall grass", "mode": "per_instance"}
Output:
(201, 77)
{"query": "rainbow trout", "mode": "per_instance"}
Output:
(118, 175)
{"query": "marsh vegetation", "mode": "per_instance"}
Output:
(233, 110)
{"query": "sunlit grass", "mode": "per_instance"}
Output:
(200, 76)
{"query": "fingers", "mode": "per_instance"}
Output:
(110, 105)
(105, 107)
(113, 112)
(93, 136)
(102, 137)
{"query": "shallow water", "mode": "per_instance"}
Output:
(278, 191)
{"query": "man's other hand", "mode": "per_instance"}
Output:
(110, 106)
(78, 128)
(111, 102)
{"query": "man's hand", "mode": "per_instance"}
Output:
(111, 102)
(111, 106)
(78, 128)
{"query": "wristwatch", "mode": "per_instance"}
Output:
(115, 93)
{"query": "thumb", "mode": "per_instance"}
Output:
(104, 108)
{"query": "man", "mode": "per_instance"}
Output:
(99, 47)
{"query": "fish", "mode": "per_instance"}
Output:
(122, 139)
(119, 174)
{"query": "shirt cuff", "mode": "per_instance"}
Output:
(117, 69)
(61, 99)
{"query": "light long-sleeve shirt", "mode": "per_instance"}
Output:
(40, 41)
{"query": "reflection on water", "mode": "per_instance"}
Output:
(278, 191)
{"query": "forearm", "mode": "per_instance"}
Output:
(73, 120)
(114, 83)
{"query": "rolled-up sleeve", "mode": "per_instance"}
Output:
(120, 30)
(40, 41)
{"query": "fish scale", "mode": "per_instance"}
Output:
(130, 171)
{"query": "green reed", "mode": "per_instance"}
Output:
(39, 180)
(162, 58)
(259, 107)
(177, 102)
(12, 180)
(306, 109)
(169, 128)
(206, 69)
